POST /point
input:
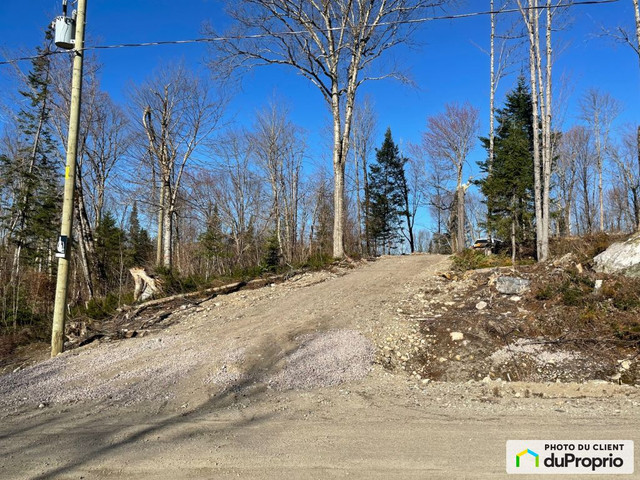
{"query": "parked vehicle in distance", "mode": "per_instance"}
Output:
(489, 245)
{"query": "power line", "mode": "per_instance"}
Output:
(302, 32)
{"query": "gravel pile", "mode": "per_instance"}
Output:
(124, 372)
(534, 350)
(326, 359)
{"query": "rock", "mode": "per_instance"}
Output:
(566, 260)
(625, 364)
(456, 336)
(481, 305)
(623, 257)
(597, 286)
(515, 298)
(512, 285)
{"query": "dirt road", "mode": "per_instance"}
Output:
(278, 383)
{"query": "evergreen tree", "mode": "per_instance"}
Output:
(213, 241)
(109, 243)
(271, 258)
(139, 245)
(385, 192)
(30, 194)
(30, 174)
(508, 186)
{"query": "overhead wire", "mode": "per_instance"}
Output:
(302, 32)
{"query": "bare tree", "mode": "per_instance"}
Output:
(623, 35)
(108, 142)
(599, 110)
(177, 113)
(450, 136)
(627, 159)
(83, 228)
(238, 193)
(578, 148)
(332, 44)
(437, 187)
(279, 149)
(498, 67)
(364, 128)
(565, 177)
(413, 198)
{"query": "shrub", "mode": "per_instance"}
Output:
(624, 293)
(470, 259)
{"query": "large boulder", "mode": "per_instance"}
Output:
(512, 285)
(620, 257)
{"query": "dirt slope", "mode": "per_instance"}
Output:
(288, 381)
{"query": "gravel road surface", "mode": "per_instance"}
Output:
(285, 382)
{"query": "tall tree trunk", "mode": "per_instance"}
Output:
(514, 220)
(460, 235)
(596, 126)
(86, 241)
(410, 221)
(492, 89)
(367, 206)
(160, 231)
(531, 18)
(546, 168)
(358, 203)
(167, 225)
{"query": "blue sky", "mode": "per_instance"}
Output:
(448, 66)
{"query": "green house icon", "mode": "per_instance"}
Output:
(530, 452)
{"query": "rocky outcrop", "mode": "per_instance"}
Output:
(621, 257)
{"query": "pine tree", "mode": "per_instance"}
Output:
(271, 258)
(30, 174)
(212, 241)
(109, 243)
(31, 193)
(139, 245)
(508, 186)
(386, 202)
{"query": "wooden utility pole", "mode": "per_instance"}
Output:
(59, 311)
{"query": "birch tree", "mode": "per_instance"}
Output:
(540, 69)
(176, 113)
(450, 136)
(498, 66)
(335, 45)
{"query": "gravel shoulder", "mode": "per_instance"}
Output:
(287, 381)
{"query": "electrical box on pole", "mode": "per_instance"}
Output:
(64, 28)
(65, 32)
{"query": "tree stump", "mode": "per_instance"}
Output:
(145, 285)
